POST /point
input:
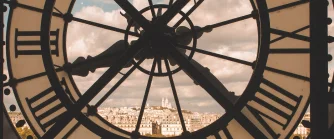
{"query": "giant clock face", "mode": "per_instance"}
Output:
(271, 105)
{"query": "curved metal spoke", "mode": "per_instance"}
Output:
(105, 26)
(197, 4)
(152, 9)
(217, 55)
(149, 82)
(179, 111)
(125, 76)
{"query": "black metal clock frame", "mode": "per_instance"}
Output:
(318, 78)
(319, 68)
(2, 10)
(131, 52)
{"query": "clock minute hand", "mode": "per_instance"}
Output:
(82, 66)
(212, 79)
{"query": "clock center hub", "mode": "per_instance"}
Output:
(161, 40)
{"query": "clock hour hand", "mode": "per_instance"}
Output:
(103, 60)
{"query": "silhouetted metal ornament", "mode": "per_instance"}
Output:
(30, 137)
(159, 11)
(4, 77)
(129, 19)
(208, 30)
(92, 110)
(306, 123)
(172, 62)
(83, 70)
(20, 123)
(186, 40)
(7, 91)
(12, 107)
(185, 34)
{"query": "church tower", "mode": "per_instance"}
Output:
(163, 102)
(166, 102)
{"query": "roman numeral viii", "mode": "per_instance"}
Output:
(47, 99)
(277, 109)
(29, 43)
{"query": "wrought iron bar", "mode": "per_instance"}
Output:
(147, 91)
(319, 68)
(178, 106)
(289, 34)
(152, 9)
(216, 55)
(246, 63)
(171, 2)
(293, 32)
(2, 10)
(159, 65)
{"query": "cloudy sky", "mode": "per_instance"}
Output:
(238, 40)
